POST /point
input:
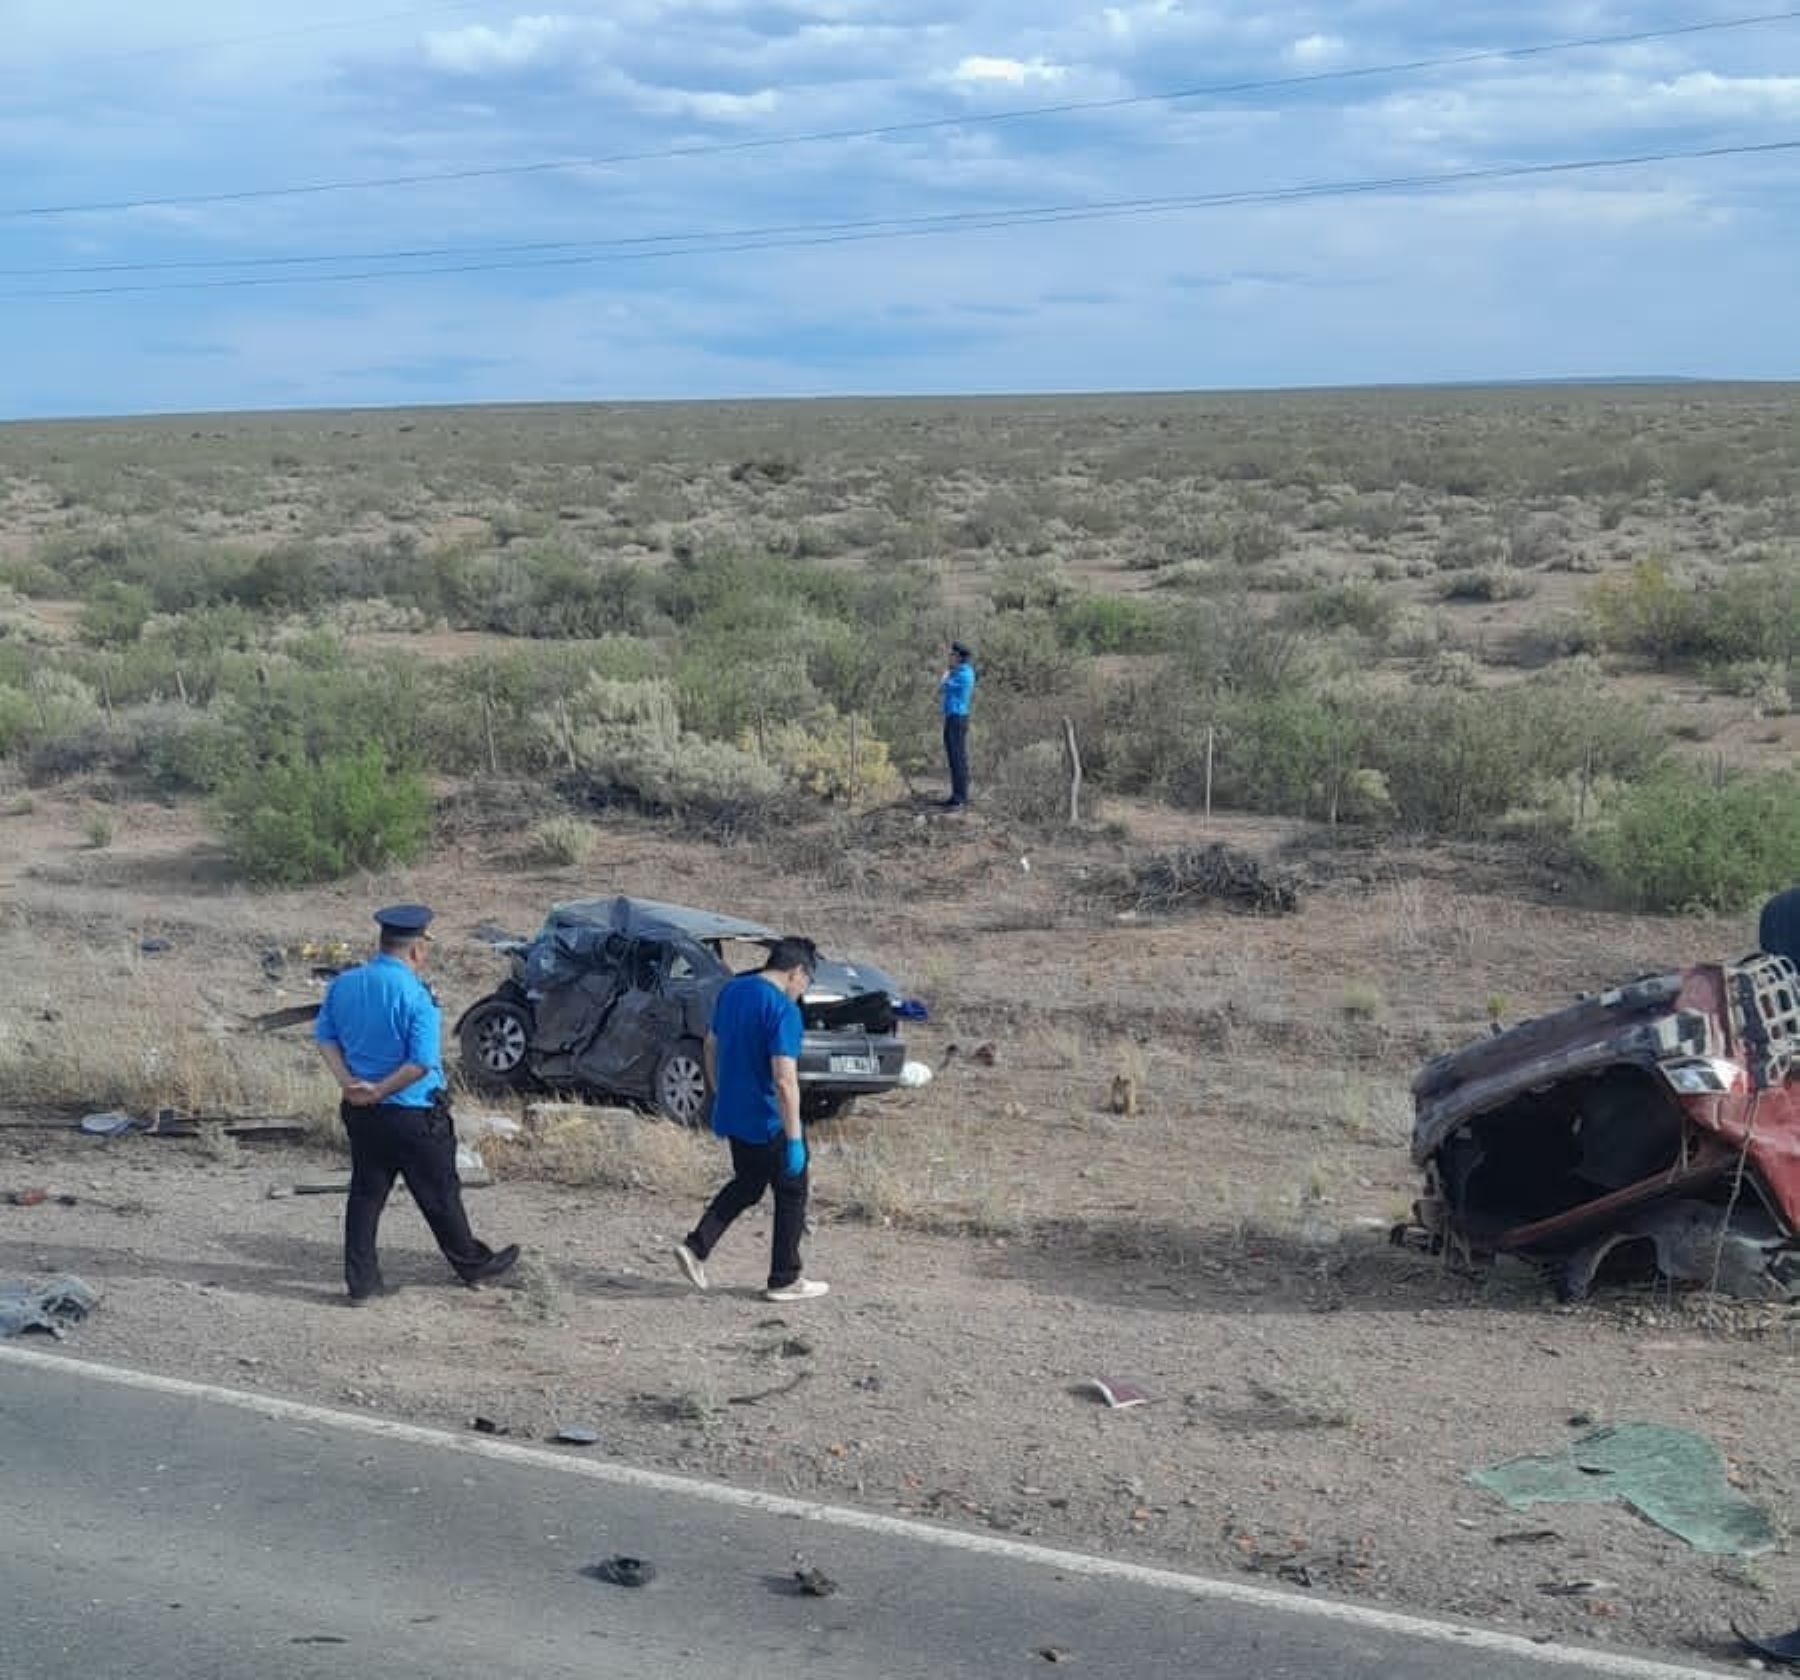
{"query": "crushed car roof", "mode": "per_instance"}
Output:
(649, 918)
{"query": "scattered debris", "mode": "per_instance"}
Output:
(50, 1307)
(1777, 1647)
(1576, 1589)
(487, 1426)
(1675, 1478)
(914, 1075)
(487, 1125)
(470, 1168)
(814, 1583)
(1190, 876)
(577, 1435)
(1526, 1537)
(33, 1197)
(986, 1054)
(622, 1571)
(154, 947)
(318, 1639)
(1117, 1393)
(763, 1394)
(293, 1016)
(111, 1124)
(1052, 1653)
(1124, 1096)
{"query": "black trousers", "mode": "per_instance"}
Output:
(956, 751)
(755, 1167)
(419, 1145)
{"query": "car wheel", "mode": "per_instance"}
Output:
(496, 1043)
(825, 1105)
(680, 1090)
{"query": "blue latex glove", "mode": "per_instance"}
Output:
(795, 1163)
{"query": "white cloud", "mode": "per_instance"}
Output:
(522, 45)
(980, 69)
(1313, 52)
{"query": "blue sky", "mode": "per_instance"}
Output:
(1682, 268)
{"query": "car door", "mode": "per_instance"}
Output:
(643, 1023)
(579, 982)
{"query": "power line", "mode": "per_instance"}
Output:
(920, 126)
(651, 247)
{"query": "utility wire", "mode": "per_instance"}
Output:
(920, 126)
(651, 247)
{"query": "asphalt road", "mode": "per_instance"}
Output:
(164, 1531)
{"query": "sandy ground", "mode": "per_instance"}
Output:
(1318, 1397)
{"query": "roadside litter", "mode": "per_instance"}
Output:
(1117, 1393)
(624, 1571)
(107, 1125)
(1673, 1477)
(52, 1307)
(577, 1435)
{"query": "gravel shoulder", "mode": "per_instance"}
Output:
(1315, 1407)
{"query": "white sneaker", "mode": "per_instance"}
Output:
(692, 1267)
(801, 1289)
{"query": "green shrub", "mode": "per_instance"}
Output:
(1361, 606)
(116, 613)
(561, 841)
(1488, 583)
(1677, 842)
(300, 819)
(1093, 624)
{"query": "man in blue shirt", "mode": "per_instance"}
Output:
(956, 688)
(380, 1033)
(752, 1065)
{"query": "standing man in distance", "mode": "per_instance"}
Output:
(956, 688)
(380, 1033)
(752, 1065)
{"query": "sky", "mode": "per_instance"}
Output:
(619, 202)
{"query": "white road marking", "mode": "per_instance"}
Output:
(1470, 1638)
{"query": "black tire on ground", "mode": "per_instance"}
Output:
(496, 1042)
(1779, 931)
(824, 1105)
(680, 1090)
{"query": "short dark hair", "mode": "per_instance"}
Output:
(792, 951)
(396, 940)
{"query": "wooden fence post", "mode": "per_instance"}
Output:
(1073, 753)
(1209, 771)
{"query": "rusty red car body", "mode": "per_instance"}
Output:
(1665, 1111)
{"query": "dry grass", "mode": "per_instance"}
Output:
(611, 1148)
(133, 1043)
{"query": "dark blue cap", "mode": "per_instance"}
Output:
(960, 649)
(403, 918)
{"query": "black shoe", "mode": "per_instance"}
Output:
(497, 1264)
(379, 1292)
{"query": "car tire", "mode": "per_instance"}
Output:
(680, 1091)
(824, 1105)
(496, 1045)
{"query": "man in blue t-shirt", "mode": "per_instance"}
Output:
(956, 688)
(753, 1067)
(380, 1033)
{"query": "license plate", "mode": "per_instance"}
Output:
(854, 1064)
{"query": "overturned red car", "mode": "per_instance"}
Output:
(1653, 1125)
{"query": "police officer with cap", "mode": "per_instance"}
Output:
(380, 1033)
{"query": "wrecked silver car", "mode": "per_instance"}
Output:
(1653, 1125)
(614, 995)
